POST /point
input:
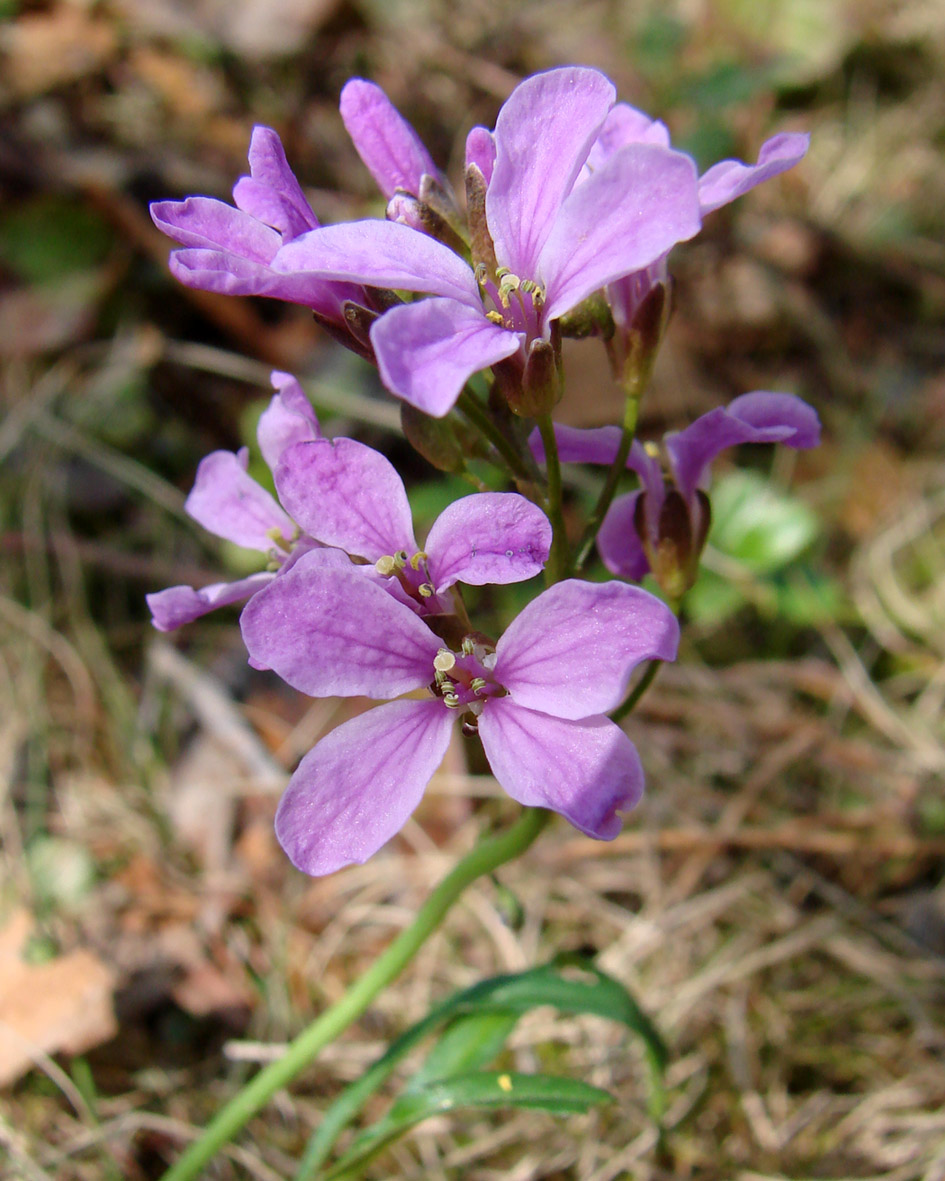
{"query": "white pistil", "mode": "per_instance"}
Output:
(444, 660)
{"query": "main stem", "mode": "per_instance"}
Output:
(631, 412)
(488, 855)
(474, 412)
(559, 560)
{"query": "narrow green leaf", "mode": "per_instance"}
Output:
(489, 1089)
(569, 983)
(469, 1043)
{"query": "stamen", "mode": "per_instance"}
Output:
(275, 535)
(477, 684)
(652, 449)
(469, 645)
(444, 660)
(426, 590)
(417, 558)
(496, 318)
(450, 700)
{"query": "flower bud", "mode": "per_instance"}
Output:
(680, 539)
(540, 388)
(411, 211)
(480, 239)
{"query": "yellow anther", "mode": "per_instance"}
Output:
(426, 590)
(417, 558)
(652, 449)
(496, 318)
(505, 1083)
(401, 558)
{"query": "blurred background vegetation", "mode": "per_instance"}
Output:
(775, 903)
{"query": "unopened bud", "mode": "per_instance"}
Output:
(411, 211)
(680, 539)
(541, 385)
(480, 239)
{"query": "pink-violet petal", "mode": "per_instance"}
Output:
(231, 274)
(427, 351)
(289, 418)
(489, 537)
(348, 495)
(227, 501)
(358, 786)
(542, 136)
(758, 417)
(177, 605)
(480, 150)
(618, 544)
(203, 222)
(390, 148)
(731, 178)
(333, 633)
(622, 218)
(571, 651)
(381, 254)
(585, 769)
(272, 194)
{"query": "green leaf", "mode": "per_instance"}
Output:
(761, 527)
(569, 983)
(487, 1089)
(468, 1043)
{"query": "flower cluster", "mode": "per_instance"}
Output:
(572, 205)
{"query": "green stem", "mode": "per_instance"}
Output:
(631, 412)
(559, 560)
(484, 424)
(489, 854)
(639, 689)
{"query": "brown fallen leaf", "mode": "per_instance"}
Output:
(63, 1005)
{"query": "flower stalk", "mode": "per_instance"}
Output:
(491, 852)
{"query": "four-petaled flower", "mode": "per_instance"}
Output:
(538, 699)
(541, 242)
(346, 497)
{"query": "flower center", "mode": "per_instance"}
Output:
(412, 574)
(517, 302)
(282, 546)
(465, 680)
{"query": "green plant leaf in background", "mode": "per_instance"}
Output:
(478, 1021)
(484, 1089)
(761, 527)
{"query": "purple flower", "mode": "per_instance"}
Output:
(343, 495)
(228, 502)
(538, 699)
(350, 497)
(230, 250)
(542, 243)
(662, 528)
